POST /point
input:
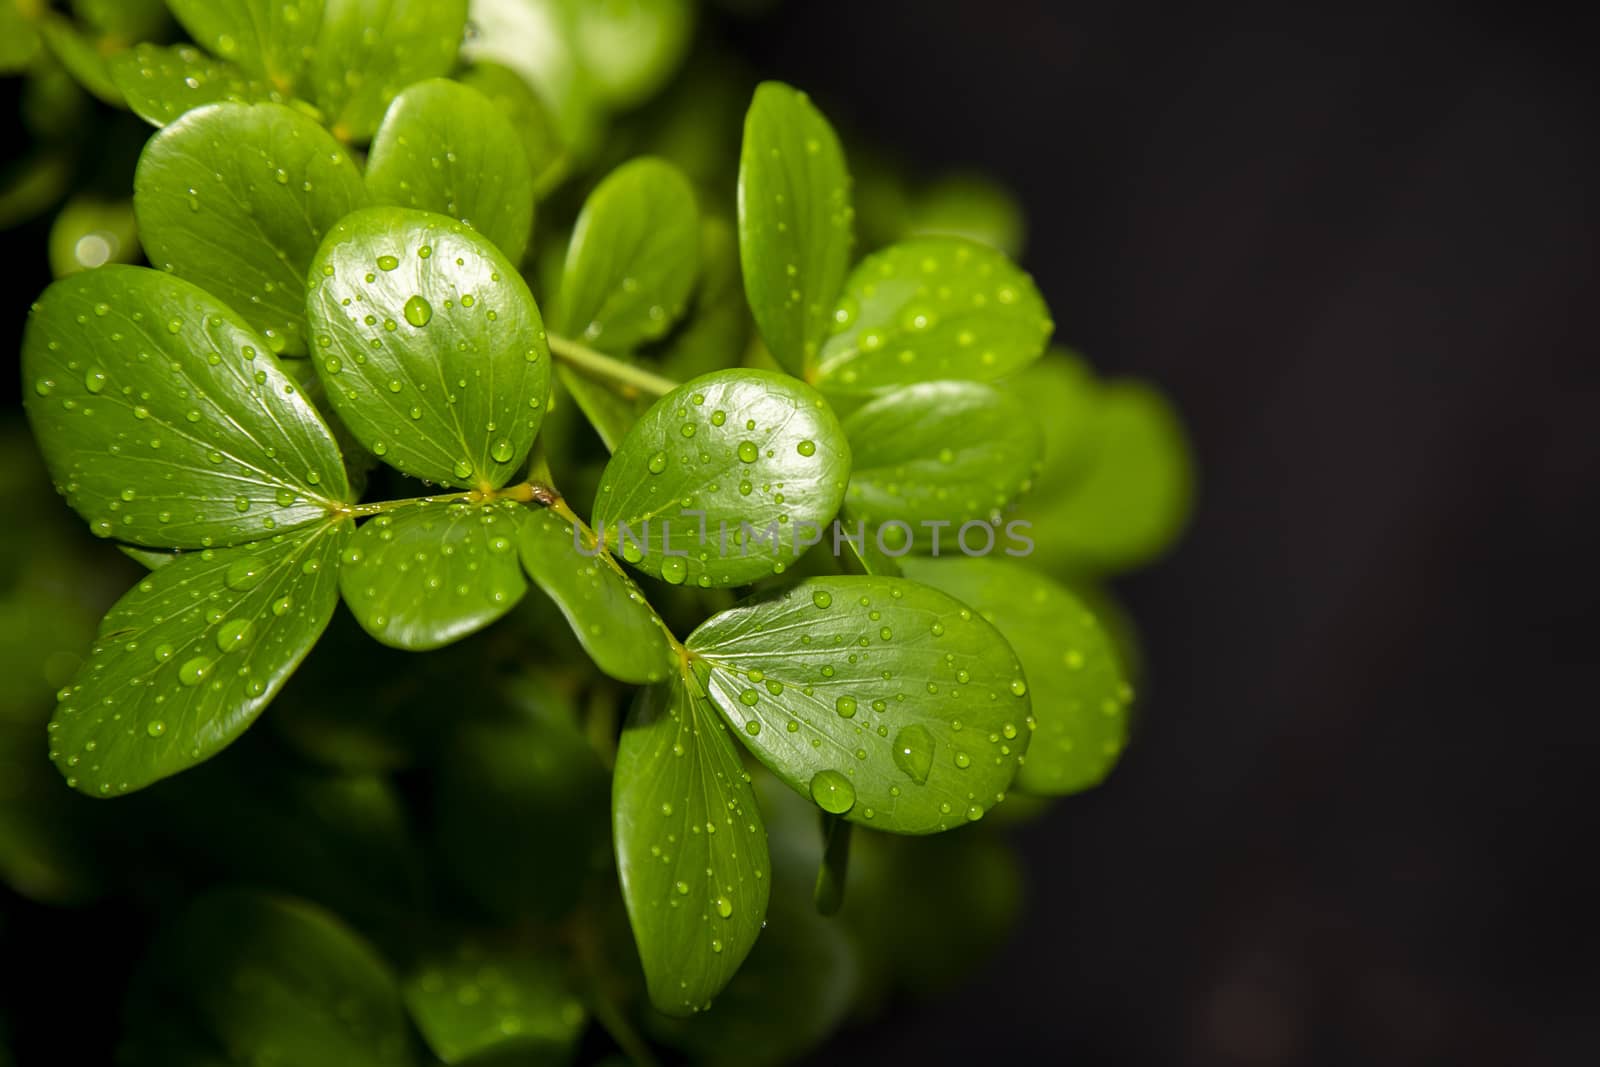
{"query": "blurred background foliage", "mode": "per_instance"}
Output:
(442, 853)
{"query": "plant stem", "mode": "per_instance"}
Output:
(609, 368)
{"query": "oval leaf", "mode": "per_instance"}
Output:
(270, 39)
(444, 147)
(431, 346)
(1080, 693)
(629, 50)
(163, 83)
(369, 50)
(931, 309)
(165, 421)
(190, 656)
(608, 614)
(422, 577)
(266, 980)
(236, 198)
(795, 222)
(536, 128)
(691, 848)
(758, 453)
(479, 999)
(633, 259)
(887, 702)
(950, 451)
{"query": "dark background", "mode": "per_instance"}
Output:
(1361, 255)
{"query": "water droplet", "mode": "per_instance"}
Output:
(463, 469)
(1019, 687)
(724, 907)
(674, 570)
(235, 633)
(245, 574)
(822, 599)
(387, 263)
(194, 671)
(658, 463)
(806, 448)
(748, 452)
(749, 697)
(502, 451)
(156, 728)
(281, 606)
(913, 752)
(833, 792)
(94, 380)
(163, 653)
(963, 760)
(418, 312)
(845, 706)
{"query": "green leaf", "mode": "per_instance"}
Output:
(431, 346)
(691, 848)
(887, 702)
(370, 50)
(608, 614)
(515, 99)
(714, 334)
(445, 147)
(19, 39)
(1065, 386)
(760, 454)
(929, 309)
(236, 198)
(795, 223)
(538, 40)
(478, 999)
(634, 257)
(972, 206)
(190, 656)
(939, 451)
(1080, 693)
(123, 21)
(271, 39)
(162, 83)
(81, 56)
(424, 576)
(609, 412)
(629, 48)
(165, 421)
(244, 977)
(89, 232)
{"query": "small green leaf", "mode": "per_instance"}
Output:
(714, 334)
(431, 346)
(271, 39)
(608, 614)
(190, 656)
(1132, 494)
(165, 421)
(244, 977)
(972, 206)
(162, 83)
(123, 20)
(885, 701)
(515, 99)
(795, 223)
(236, 198)
(479, 1000)
(634, 257)
(90, 232)
(370, 50)
(444, 147)
(629, 50)
(538, 40)
(759, 454)
(1065, 386)
(81, 56)
(421, 577)
(939, 451)
(691, 848)
(929, 309)
(610, 413)
(1080, 693)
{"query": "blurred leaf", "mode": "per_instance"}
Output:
(19, 38)
(236, 198)
(510, 1002)
(537, 39)
(516, 100)
(90, 233)
(971, 206)
(271, 39)
(714, 334)
(162, 83)
(124, 21)
(445, 147)
(1065, 387)
(795, 223)
(608, 411)
(430, 345)
(629, 48)
(81, 56)
(370, 50)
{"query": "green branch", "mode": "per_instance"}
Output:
(609, 368)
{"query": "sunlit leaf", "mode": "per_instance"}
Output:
(270, 39)
(370, 50)
(161, 83)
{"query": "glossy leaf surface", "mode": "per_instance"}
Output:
(887, 702)
(271, 39)
(161, 83)
(1080, 692)
(424, 576)
(796, 223)
(430, 345)
(165, 420)
(691, 848)
(190, 656)
(747, 448)
(445, 147)
(370, 50)
(236, 198)
(931, 309)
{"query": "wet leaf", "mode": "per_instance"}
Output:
(607, 613)
(236, 198)
(691, 848)
(165, 421)
(931, 309)
(421, 577)
(478, 999)
(1080, 691)
(760, 454)
(445, 147)
(795, 223)
(190, 656)
(370, 50)
(268, 39)
(634, 257)
(939, 451)
(430, 345)
(887, 702)
(161, 83)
